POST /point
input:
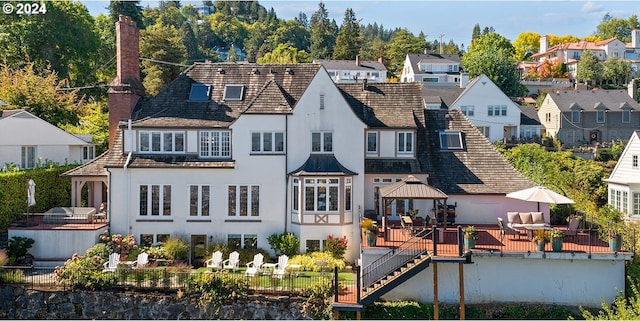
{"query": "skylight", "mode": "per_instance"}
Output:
(199, 92)
(451, 140)
(233, 92)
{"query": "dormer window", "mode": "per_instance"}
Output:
(233, 92)
(600, 116)
(156, 142)
(199, 92)
(405, 142)
(451, 140)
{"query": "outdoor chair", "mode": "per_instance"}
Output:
(280, 268)
(504, 230)
(141, 261)
(253, 267)
(232, 262)
(572, 229)
(112, 264)
(215, 262)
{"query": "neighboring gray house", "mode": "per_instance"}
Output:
(434, 70)
(530, 126)
(587, 117)
(353, 71)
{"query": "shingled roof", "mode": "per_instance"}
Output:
(95, 167)
(263, 85)
(477, 169)
(612, 100)
(415, 59)
(351, 65)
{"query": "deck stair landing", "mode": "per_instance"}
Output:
(395, 267)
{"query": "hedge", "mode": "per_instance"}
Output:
(52, 190)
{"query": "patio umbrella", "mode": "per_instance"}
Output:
(540, 194)
(31, 193)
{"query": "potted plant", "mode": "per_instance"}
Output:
(615, 240)
(556, 236)
(370, 230)
(470, 237)
(540, 239)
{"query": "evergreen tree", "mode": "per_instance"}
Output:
(130, 9)
(322, 34)
(476, 32)
(402, 43)
(349, 40)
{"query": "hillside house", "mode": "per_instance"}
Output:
(434, 70)
(354, 71)
(624, 181)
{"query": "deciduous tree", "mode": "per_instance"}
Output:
(589, 70)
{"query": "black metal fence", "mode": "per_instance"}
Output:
(159, 279)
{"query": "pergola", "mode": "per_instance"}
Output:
(409, 187)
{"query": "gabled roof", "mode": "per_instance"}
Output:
(263, 84)
(592, 100)
(380, 104)
(529, 116)
(478, 169)
(447, 95)
(351, 65)
(415, 59)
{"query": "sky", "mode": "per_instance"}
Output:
(453, 20)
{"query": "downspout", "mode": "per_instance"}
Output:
(286, 178)
(125, 167)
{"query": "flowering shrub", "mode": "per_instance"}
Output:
(119, 244)
(336, 246)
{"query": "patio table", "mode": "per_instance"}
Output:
(531, 229)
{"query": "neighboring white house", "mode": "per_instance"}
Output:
(624, 181)
(490, 110)
(26, 140)
(434, 70)
(353, 71)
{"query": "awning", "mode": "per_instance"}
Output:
(322, 165)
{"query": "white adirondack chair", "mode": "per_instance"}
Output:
(281, 267)
(112, 264)
(141, 261)
(254, 266)
(215, 262)
(232, 262)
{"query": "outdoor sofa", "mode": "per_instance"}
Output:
(524, 220)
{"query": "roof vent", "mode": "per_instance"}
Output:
(220, 71)
(271, 71)
(255, 71)
(289, 71)
(364, 84)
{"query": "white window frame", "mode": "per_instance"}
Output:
(244, 206)
(634, 161)
(405, 144)
(372, 136)
(164, 200)
(601, 116)
(636, 203)
(28, 157)
(467, 110)
(295, 195)
(244, 239)
(266, 146)
(163, 148)
(202, 205)
(626, 116)
(484, 130)
(88, 153)
(322, 202)
(348, 194)
(215, 144)
(194, 89)
(322, 135)
(447, 137)
(497, 110)
(229, 86)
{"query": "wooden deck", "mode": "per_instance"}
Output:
(36, 222)
(490, 241)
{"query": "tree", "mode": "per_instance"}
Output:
(616, 71)
(94, 123)
(128, 8)
(39, 94)
(589, 69)
(290, 32)
(64, 38)
(402, 43)
(164, 52)
(526, 44)
(285, 54)
(349, 40)
(611, 27)
(232, 56)
(491, 54)
(228, 29)
(322, 34)
(476, 32)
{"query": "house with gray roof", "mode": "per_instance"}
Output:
(588, 117)
(434, 70)
(353, 71)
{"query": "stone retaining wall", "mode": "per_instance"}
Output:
(19, 303)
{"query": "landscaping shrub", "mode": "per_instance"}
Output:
(309, 262)
(215, 288)
(336, 246)
(119, 244)
(176, 249)
(285, 243)
(100, 250)
(4, 258)
(52, 190)
(84, 272)
(18, 250)
(319, 300)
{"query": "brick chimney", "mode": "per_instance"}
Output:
(125, 89)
